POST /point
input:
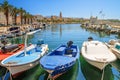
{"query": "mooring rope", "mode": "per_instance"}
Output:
(10, 72)
(105, 63)
(5, 74)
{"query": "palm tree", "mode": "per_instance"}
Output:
(14, 15)
(21, 12)
(26, 17)
(31, 18)
(5, 7)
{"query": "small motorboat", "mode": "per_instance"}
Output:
(24, 59)
(97, 53)
(60, 60)
(114, 45)
(9, 50)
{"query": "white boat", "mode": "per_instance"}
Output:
(26, 58)
(22, 61)
(97, 54)
(114, 45)
(32, 32)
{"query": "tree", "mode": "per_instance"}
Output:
(14, 14)
(21, 12)
(5, 8)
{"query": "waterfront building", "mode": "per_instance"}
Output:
(38, 17)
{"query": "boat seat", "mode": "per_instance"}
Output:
(74, 52)
(38, 49)
(60, 51)
(68, 51)
(36, 53)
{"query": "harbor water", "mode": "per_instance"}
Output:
(56, 35)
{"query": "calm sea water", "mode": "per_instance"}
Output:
(60, 34)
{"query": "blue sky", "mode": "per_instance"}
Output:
(71, 8)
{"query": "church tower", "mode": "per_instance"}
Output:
(60, 15)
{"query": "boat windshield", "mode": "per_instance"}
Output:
(117, 47)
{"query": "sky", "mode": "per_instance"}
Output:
(103, 9)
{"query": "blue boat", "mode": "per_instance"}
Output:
(60, 60)
(22, 61)
(25, 59)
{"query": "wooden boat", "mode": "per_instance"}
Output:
(10, 50)
(97, 54)
(60, 60)
(24, 59)
(114, 45)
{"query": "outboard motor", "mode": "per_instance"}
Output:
(69, 44)
(90, 38)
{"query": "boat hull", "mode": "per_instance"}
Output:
(99, 65)
(15, 70)
(57, 72)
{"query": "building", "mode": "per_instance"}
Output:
(2, 18)
(60, 15)
(38, 17)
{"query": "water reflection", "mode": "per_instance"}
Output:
(101, 34)
(116, 69)
(20, 39)
(32, 74)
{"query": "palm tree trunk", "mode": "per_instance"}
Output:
(28, 21)
(15, 19)
(7, 17)
(21, 17)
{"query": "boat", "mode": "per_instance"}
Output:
(34, 31)
(60, 60)
(9, 50)
(97, 53)
(114, 45)
(24, 59)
